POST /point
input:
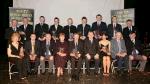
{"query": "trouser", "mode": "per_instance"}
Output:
(87, 62)
(50, 62)
(141, 61)
(79, 64)
(122, 61)
(20, 65)
(35, 65)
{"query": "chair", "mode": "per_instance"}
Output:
(10, 70)
(113, 67)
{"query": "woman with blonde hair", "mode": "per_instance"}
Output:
(15, 54)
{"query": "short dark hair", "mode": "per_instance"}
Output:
(103, 33)
(99, 15)
(133, 32)
(84, 18)
(129, 20)
(42, 17)
(62, 34)
(56, 18)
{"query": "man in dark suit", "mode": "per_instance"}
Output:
(76, 53)
(9, 31)
(83, 28)
(32, 52)
(99, 26)
(127, 30)
(69, 30)
(91, 52)
(134, 51)
(47, 53)
(114, 27)
(55, 29)
(25, 30)
(41, 29)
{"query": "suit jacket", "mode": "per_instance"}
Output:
(9, 31)
(130, 46)
(118, 28)
(28, 48)
(28, 31)
(80, 46)
(115, 47)
(101, 28)
(86, 29)
(43, 47)
(40, 30)
(91, 48)
(126, 32)
(59, 30)
(66, 30)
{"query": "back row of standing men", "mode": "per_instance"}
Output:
(42, 28)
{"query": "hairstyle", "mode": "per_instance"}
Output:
(133, 32)
(56, 18)
(25, 18)
(120, 34)
(42, 17)
(84, 18)
(129, 20)
(99, 15)
(62, 34)
(103, 33)
(70, 19)
(113, 17)
(14, 20)
(15, 34)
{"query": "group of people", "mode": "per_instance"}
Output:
(58, 44)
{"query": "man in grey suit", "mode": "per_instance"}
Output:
(118, 50)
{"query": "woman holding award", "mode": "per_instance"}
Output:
(60, 54)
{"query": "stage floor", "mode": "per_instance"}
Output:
(135, 78)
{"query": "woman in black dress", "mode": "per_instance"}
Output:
(105, 45)
(16, 54)
(61, 53)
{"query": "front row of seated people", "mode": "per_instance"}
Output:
(58, 52)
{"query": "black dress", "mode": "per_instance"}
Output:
(59, 60)
(20, 63)
(102, 53)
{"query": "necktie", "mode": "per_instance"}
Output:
(33, 50)
(69, 31)
(47, 49)
(25, 26)
(119, 46)
(83, 30)
(14, 29)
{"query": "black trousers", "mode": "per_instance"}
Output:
(20, 65)
(73, 63)
(87, 63)
(35, 65)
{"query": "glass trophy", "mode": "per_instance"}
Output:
(61, 50)
(76, 52)
(70, 37)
